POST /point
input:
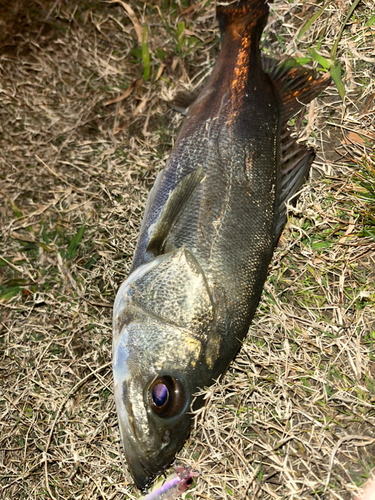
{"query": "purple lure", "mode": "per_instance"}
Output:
(174, 485)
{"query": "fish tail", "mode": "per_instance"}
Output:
(243, 18)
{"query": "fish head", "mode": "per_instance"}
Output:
(156, 350)
(152, 402)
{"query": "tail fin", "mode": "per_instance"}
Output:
(245, 16)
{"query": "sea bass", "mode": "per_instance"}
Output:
(211, 223)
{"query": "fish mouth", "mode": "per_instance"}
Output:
(140, 469)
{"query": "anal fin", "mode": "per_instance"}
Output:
(184, 100)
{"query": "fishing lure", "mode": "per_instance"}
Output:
(173, 486)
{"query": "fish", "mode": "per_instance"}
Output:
(174, 485)
(211, 223)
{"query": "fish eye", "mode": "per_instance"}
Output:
(189, 481)
(167, 396)
(160, 395)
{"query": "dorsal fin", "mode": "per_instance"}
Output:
(295, 85)
(172, 208)
(296, 160)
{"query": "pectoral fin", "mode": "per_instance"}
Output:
(173, 207)
(151, 199)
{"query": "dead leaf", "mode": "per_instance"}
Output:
(123, 96)
(367, 105)
(160, 71)
(356, 138)
(133, 18)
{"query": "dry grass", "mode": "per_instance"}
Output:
(294, 416)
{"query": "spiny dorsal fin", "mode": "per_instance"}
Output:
(296, 87)
(296, 160)
(173, 207)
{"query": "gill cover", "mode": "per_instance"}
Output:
(171, 287)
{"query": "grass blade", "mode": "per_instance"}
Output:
(180, 35)
(320, 59)
(145, 54)
(335, 70)
(335, 73)
(336, 44)
(73, 246)
(9, 293)
(307, 25)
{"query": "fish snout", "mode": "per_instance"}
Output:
(141, 470)
(153, 422)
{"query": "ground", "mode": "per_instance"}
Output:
(84, 130)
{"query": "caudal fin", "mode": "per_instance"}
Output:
(246, 16)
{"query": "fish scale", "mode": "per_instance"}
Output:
(211, 223)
